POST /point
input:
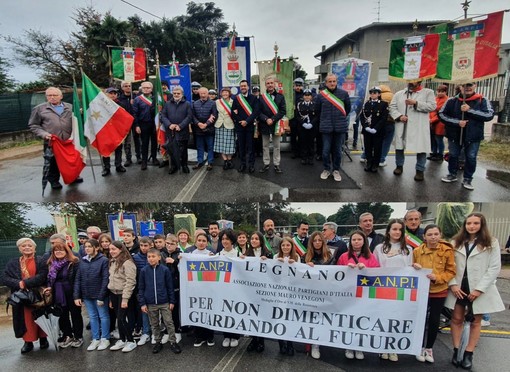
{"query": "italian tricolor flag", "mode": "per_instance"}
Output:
(129, 64)
(106, 123)
(414, 58)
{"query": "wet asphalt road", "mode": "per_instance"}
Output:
(21, 182)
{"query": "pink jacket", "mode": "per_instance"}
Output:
(371, 262)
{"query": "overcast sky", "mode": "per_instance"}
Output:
(300, 27)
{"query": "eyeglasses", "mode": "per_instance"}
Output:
(325, 229)
(171, 243)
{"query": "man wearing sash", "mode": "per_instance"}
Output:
(271, 240)
(245, 110)
(333, 105)
(414, 233)
(301, 239)
(272, 110)
(144, 111)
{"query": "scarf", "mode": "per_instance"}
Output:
(54, 268)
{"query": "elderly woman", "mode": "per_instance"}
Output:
(26, 272)
(224, 135)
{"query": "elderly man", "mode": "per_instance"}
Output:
(126, 102)
(144, 112)
(53, 117)
(205, 114)
(272, 110)
(334, 242)
(333, 106)
(410, 109)
(270, 237)
(366, 224)
(465, 116)
(414, 233)
(113, 94)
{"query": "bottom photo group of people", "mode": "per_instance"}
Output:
(130, 288)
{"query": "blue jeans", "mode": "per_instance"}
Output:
(389, 132)
(146, 325)
(99, 317)
(421, 159)
(437, 144)
(202, 142)
(470, 152)
(332, 144)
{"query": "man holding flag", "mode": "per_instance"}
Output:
(50, 120)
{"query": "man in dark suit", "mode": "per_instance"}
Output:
(366, 224)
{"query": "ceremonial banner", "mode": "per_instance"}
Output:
(283, 81)
(151, 228)
(66, 225)
(233, 64)
(118, 222)
(374, 310)
(129, 64)
(353, 76)
(414, 58)
(183, 80)
(469, 50)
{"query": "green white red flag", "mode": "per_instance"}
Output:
(469, 50)
(129, 64)
(106, 123)
(414, 58)
(77, 135)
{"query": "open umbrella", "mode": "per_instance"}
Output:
(47, 319)
(172, 147)
(48, 156)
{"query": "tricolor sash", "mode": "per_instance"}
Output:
(334, 100)
(268, 246)
(268, 99)
(146, 100)
(412, 240)
(300, 248)
(227, 106)
(244, 104)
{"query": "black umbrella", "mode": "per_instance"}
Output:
(172, 148)
(48, 156)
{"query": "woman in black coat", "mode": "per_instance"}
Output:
(26, 272)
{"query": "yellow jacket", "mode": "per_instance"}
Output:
(442, 262)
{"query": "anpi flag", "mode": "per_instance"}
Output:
(129, 64)
(209, 271)
(414, 58)
(106, 123)
(387, 287)
(469, 51)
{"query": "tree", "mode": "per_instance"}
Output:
(6, 82)
(316, 219)
(33, 86)
(13, 223)
(348, 214)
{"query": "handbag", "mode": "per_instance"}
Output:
(35, 297)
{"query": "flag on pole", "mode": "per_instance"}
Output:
(106, 123)
(277, 64)
(469, 50)
(414, 58)
(77, 136)
(232, 42)
(174, 67)
(158, 93)
(129, 64)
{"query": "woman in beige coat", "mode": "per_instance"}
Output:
(478, 261)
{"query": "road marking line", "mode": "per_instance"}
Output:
(187, 192)
(485, 331)
(234, 355)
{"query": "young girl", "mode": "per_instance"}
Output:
(257, 249)
(438, 255)
(104, 242)
(90, 288)
(318, 252)
(62, 268)
(478, 261)
(242, 242)
(358, 255)
(121, 285)
(394, 252)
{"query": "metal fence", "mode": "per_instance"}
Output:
(500, 229)
(9, 250)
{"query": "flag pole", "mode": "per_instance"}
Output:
(80, 64)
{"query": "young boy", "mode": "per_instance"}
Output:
(172, 262)
(157, 298)
(129, 238)
(159, 243)
(141, 261)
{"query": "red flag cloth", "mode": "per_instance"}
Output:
(69, 160)
(487, 52)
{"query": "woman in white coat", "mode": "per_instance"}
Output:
(478, 261)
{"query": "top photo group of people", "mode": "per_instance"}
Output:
(130, 287)
(415, 119)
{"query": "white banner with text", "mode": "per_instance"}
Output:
(375, 310)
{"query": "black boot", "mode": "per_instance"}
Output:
(467, 361)
(260, 346)
(283, 346)
(225, 164)
(27, 347)
(455, 362)
(43, 343)
(290, 348)
(252, 345)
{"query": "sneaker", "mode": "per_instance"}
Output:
(467, 185)
(176, 349)
(66, 342)
(226, 342)
(315, 353)
(359, 355)
(115, 334)
(325, 174)
(362, 160)
(429, 357)
(421, 357)
(234, 342)
(198, 342)
(153, 340)
(178, 337)
(119, 345)
(393, 357)
(337, 176)
(93, 345)
(277, 169)
(384, 356)
(137, 334)
(103, 344)
(77, 342)
(165, 338)
(486, 323)
(130, 346)
(449, 178)
(264, 169)
(383, 164)
(143, 340)
(210, 342)
(349, 354)
(157, 348)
